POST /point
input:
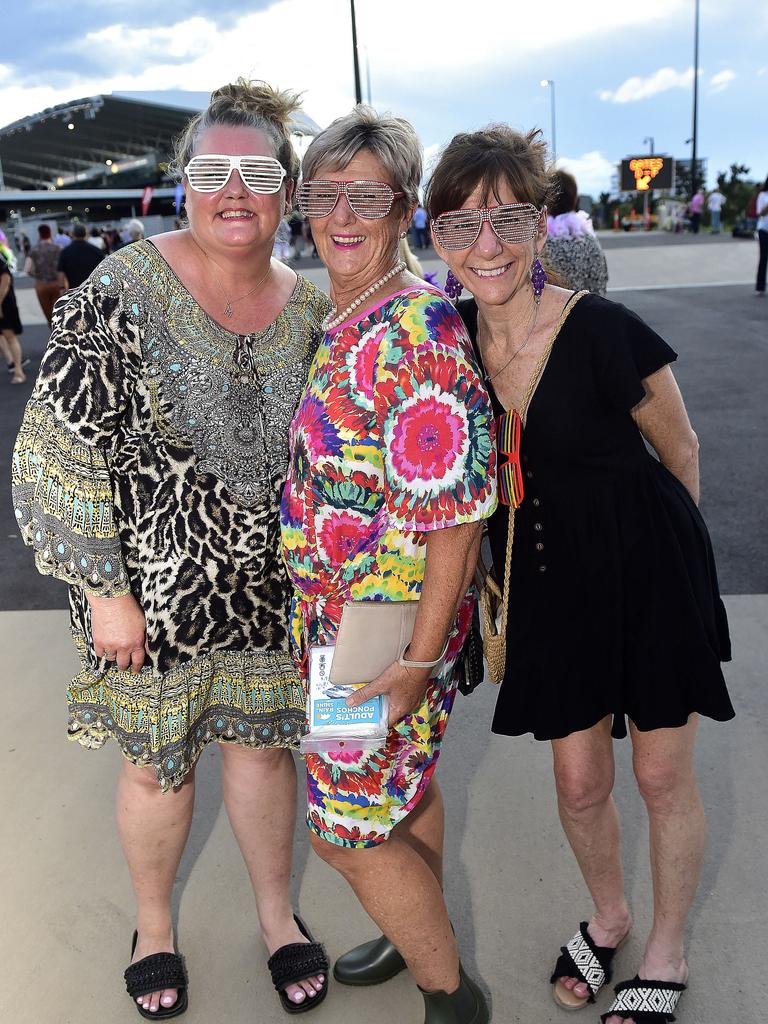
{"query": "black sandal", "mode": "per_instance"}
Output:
(646, 1002)
(586, 961)
(296, 962)
(154, 973)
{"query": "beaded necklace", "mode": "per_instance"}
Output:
(335, 318)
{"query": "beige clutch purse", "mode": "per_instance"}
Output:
(373, 634)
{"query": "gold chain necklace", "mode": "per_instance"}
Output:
(516, 353)
(228, 311)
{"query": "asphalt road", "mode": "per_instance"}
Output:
(721, 335)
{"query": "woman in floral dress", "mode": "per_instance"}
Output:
(392, 471)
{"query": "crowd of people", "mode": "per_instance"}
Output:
(219, 460)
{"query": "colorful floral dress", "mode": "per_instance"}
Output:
(392, 438)
(150, 461)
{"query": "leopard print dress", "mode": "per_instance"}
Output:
(150, 461)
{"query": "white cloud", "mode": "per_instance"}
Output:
(721, 80)
(592, 171)
(305, 44)
(636, 88)
(762, 71)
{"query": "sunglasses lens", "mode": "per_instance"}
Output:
(317, 198)
(457, 229)
(515, 223)
(262, 174)
(370, 200)
(208, 173)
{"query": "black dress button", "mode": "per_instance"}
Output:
(542, 568)
(538, 527)
(529, 474)
(539, 546)
(536, 502)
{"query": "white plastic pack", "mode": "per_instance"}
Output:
(331, 724)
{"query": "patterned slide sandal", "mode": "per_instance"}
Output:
(584, 960)
(154, 973)
(645, 1002)
(296, 962)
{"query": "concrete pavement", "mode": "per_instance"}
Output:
(513, 889)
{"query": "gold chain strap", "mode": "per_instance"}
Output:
(495, 638)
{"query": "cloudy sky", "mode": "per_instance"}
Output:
(622, 68)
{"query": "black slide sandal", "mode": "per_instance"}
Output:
(296, 962)
(153, 974)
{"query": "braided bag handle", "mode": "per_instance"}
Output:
(493, 602)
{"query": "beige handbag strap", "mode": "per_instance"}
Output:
(529, 392)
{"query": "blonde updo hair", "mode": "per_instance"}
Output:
(246, 104)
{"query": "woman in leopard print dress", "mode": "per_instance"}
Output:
(147, 476)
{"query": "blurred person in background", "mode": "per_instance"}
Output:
(62, 238)
(695, 210)
(10, 321)
(42, 264)
(715, 201)
(78, 259)
(572, 254)
(761, 210)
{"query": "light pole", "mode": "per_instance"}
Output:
(544, 83)
(647, 141)
(358, 89)
(694, 169)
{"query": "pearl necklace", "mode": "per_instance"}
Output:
(335, 318)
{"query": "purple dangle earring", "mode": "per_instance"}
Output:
(453, 286)
(538, 278)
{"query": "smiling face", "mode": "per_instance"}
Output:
(357, 251)
(235, 217)
(494, 271)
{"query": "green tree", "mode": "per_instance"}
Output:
(736, 189)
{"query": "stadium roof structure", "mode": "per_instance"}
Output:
(80, 143)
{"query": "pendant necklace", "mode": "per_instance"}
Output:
(228, 311)
(516, 353)
(335, 318)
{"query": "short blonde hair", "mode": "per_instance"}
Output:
(392, 140)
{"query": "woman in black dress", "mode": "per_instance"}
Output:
(10, 321)
(614, 611)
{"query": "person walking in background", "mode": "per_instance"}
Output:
(78, 259)
(10, 321)
(572, 253)
(761, 209)
(95, 239)
(62, 238)
(42, 264)
(695, 208)
(715, 202)
(420, 221)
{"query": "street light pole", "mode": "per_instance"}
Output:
(694, 169)
(544, 83)
(358, 89)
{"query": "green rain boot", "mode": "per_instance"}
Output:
(466, 1005)
(369, 964)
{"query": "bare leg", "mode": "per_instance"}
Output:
(663, 763)
(423, 829)
(14, 352)
(260, 797)
(153, 828)
(400, 892)
(584, 776)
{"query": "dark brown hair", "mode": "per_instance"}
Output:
(565, 191)
(43, 231)
(486, 158)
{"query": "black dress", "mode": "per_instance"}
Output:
(614, 605)
(9, 311)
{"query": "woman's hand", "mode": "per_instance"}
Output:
(405, 688)
(118, 628)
